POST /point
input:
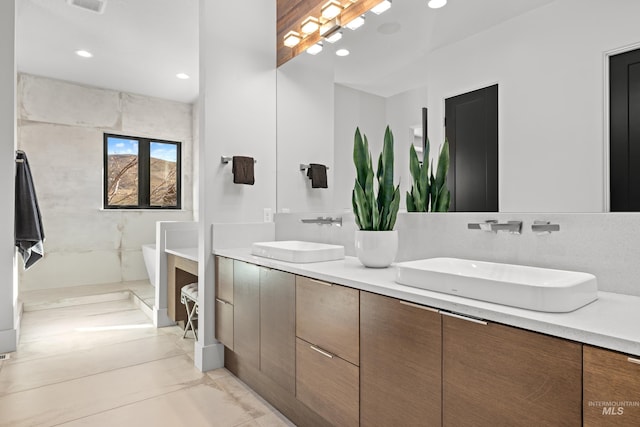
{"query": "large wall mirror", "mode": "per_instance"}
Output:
(546, 57)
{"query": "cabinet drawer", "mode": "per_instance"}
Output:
(327, 315)
(327, 384)
(224, 323)
(498, 375)
(610, 377)
(224, 279)
(400, 363)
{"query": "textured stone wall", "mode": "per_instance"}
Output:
(60, 127)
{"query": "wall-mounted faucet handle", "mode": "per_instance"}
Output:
(544, 227)
(484, 226)
(513, 227)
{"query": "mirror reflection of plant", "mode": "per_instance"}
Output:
(374, 213)
(429, 192)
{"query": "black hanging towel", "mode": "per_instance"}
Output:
(29, 233)
(242, 169)
(318, 175)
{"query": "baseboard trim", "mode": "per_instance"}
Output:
(210, 357)
(8, 341)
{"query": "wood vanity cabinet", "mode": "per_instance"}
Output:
(496, 375)
(246, 312)
(327, 350)
(278, 327)
(610, 378)
(224, 301)
(400, 363)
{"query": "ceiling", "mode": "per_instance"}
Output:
(138, 45)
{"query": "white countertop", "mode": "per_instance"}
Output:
(613, 321)
(188, 253)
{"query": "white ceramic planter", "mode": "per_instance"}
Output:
(376, 249)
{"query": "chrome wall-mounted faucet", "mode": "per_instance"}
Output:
(544, 227)
(320, 220)
(513, 227)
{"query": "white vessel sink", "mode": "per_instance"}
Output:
(533, 288)
(298, 251)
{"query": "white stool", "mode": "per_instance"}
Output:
(189, 294)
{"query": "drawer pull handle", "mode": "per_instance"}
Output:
(322, 352)
(421, 307)
(632, 360)
(321, 283)
(221, 301)
(468, 319)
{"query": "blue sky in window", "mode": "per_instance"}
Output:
(122, 146)
(168, 152)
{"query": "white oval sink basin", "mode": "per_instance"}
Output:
(533, 288)
(298, 251)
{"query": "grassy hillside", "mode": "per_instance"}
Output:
(123, 181)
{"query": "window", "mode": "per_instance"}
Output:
(141, 173)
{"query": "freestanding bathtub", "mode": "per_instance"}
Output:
(149, 255)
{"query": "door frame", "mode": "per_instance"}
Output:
(473, 88)
(606, 150)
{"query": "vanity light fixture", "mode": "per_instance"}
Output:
(331, 9)
(356, 23)
(182, 76)
(381, 7)
(334, 37)
(436, 4)
(342, 52)
(84, 53)
(310, 25)
(315, 49)
(292, 39)
(330, 27)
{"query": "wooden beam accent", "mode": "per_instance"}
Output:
(291, 13)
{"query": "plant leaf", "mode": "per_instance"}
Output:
(444, 199)
(360, 156)
(443, 165)
(411, 206)
(363, 212)
(393, 210)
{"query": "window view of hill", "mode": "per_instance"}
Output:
(122, 189)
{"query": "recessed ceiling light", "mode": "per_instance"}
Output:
(356, 23)
(310, 25)
(315, 49)
(182, 76)
(84, 53)
(436, 4)
(381, 7)
(334, 37)
(342, 52)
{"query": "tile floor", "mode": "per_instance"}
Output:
(97, 360)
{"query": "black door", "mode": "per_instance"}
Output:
(472, 129)
(624, 119)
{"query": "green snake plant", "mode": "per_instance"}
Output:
(429, 192)
(374, 213)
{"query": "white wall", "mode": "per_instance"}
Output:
(7, 175)
(237, 117)
(354, 108)
(305, 132)
(61, 127)
(403, 112)
(549, 65)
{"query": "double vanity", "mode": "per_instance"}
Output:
(335, 343)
